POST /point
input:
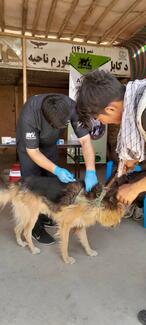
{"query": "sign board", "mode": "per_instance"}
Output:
(55, 56)
(48, 55)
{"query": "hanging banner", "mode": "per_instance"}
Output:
(55, 56)
(10, 52)
(99, 144)
(48, 55)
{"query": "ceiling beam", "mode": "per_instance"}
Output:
(68, 16)
(87, 14)
(2, 20)
(24, 15)
(136, 32)
(120, 20)
(36, 16)
(131, 22)
(100, 19)
(50, 16)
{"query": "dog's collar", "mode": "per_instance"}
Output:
(96, 202)
(99, 199)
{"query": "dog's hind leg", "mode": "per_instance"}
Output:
(28, 235)
(64, 239)
(18, 231)
(19, 221)
(82, 235)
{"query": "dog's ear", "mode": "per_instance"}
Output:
(110, 200)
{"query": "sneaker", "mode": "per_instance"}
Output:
(43, 237)
(129, 211)
(44, 220)
(49, 223)
(138, 214)
(142, 316)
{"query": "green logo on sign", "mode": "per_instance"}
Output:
(84, 62)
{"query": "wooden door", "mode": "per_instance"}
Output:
(7, 111)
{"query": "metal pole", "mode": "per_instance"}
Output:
(24, 69)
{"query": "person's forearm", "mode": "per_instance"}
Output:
(41, 160)
(88, 152)
(127, 193)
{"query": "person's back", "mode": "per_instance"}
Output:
(33, 128)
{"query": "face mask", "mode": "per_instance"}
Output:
(97, 129)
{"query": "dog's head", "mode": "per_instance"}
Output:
(111, 210)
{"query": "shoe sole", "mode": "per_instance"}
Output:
(44, 243)
(49, 226)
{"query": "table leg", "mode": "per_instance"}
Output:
(75, 162)
(78, 163)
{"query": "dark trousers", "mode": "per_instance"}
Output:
(29, 168)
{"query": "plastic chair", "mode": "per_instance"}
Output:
(108, 174)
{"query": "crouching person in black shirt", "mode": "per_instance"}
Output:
(42, 120)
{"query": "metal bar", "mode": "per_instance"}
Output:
(24, 70)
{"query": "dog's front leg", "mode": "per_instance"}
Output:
(82, 235)
(64, 239)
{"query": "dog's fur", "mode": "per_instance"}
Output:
(71, 208)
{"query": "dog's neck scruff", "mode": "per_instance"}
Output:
(99, 196)
(87, 198)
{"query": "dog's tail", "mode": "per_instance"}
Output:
(5, 197)
(7, 194)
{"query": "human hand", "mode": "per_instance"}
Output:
(90, 179)
(127, 193)
(64, 175)
(129, 165)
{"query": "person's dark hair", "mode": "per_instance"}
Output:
(56, 110)
(97, 90)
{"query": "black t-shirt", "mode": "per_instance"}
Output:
(33, 130)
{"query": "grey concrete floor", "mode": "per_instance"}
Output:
(104, 290)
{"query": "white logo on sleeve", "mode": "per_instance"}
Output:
(30, 136)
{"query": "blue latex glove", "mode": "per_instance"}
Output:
(90, 179)
(64, 175)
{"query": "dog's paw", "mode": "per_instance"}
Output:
(22, 243)
(35, 250)
(69, 260)
(92, 253)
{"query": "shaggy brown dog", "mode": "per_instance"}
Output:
(72, 208)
